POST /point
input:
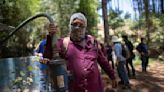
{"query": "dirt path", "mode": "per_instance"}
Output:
(152, 81)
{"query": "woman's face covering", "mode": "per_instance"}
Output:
(77, 30)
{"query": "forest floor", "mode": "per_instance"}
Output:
(151, 81)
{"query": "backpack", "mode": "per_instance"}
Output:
(109, 52)
(125, 51)
(130, 48)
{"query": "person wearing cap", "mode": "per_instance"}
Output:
(120, 62)
(82, 53)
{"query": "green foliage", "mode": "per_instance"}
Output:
(161, 57)
(127, 15)
(140, 24)
(61, 10)
(13, 13)
(156, 33)
(89, 8)
(115, 20)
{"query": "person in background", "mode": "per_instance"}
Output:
(129, 60)
(120, 63)
(43, 85)
(109, 54)
(143, 50)
(82, 53)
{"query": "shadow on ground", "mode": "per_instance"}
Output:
(151, 81)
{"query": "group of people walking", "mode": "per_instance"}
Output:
(124, 55)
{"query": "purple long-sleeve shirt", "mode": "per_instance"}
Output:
(82, 64)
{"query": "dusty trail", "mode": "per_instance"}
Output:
(152, 81)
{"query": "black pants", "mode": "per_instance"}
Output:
(145, 62)
(111, 60)
(130, 62)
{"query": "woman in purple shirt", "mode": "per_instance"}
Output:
(82, 54)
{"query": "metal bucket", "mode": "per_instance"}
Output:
(10, 70)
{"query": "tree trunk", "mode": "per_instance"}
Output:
(159, 7)
(134, 7)
(139, 2)
(162, 8)
(118, 3)
(105, 18)
(147, 20)
(153, 3)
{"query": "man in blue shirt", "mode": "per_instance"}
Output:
(143, 50)
(43, 67)
(120, 63)
(40, 51)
